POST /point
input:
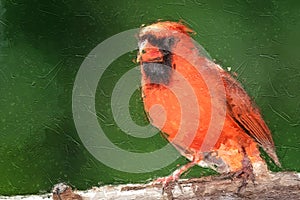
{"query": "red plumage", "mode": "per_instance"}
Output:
(176, 76)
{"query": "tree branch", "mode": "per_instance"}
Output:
(280, 185)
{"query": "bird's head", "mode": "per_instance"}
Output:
(156, 46)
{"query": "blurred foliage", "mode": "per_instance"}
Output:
(43, 43)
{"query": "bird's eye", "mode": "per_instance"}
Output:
(152, 39)
(169, 41)
(163, 43)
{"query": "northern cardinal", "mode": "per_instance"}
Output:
(199, 107)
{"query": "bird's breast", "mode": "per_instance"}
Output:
(182, 108)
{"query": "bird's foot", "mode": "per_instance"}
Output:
(168, 180)
(173, 178)
(246, 174)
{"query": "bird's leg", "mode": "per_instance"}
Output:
(246, 173)
(165, 181)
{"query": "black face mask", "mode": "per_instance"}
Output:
(159, 72)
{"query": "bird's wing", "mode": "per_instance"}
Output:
(243, 110)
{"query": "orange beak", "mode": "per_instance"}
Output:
(149, 53)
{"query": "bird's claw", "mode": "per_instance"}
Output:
(174, 177)
(166, 181)
(246, 173)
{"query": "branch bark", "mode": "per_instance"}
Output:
(280, 185)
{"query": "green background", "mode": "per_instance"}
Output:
(43, 43)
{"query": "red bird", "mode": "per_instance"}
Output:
(201, 109)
